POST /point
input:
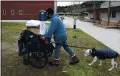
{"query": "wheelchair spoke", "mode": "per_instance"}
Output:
(42, 60)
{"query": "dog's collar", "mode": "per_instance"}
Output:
(92, 52)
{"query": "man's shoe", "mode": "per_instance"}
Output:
(74, 60)
(54, 63)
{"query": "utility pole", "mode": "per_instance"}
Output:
(94, 7)
(79, 10)
(108, 13)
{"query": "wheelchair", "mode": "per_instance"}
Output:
(33, 49)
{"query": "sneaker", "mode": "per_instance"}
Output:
(54, 63)
(74, 60)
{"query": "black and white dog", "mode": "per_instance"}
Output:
(102, 55)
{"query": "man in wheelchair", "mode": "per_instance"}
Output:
(33, 47)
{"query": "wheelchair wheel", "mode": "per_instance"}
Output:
(38, 59)
(50, 49)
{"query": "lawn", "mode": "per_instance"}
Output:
(12, 63)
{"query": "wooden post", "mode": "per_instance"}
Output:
(109, 13)
(74, 23)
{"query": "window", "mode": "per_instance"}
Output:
(12, 12)
(4, 12)
(113, 14)
(20, 12)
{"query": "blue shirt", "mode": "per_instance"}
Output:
(56, 28)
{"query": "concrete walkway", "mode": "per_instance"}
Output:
(109, 37)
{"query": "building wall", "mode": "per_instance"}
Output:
(113, 21)
(104, 17)
(30, 9)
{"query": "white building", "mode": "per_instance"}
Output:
(114, 13)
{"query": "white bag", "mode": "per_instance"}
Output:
(40, 24)
(33, 23)
(43, 28)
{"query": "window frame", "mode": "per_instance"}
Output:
(12, 12)
(113, 14)
(20, 12)
(4, 12)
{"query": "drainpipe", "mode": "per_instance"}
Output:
(55, 6)
(109, 14)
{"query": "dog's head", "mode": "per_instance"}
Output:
(89, 51)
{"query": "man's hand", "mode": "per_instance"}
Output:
(47, 40)
(41, 37)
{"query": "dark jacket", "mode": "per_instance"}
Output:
(104, 54)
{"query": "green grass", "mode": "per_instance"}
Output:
(12, 64)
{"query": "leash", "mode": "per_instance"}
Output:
(72, 46)
(79, 47)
